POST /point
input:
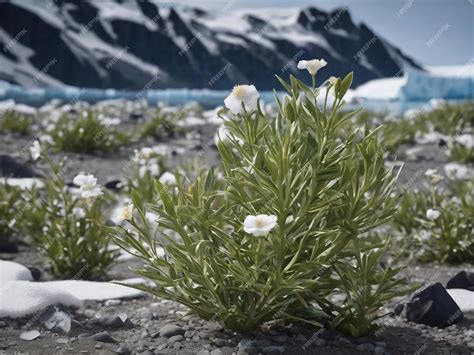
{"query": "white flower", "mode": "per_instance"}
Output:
(332, 80)
(127, 212)
(168, 178)
(312, 66)
(433, 175)
(242, 94)
(432, 214)
(259, 225)
(35, 150)
(87, 185)
(78, 212)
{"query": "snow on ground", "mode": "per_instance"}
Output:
(463, 298)
(13, 271)
(21, 298)
(24, 183)
(94, 290)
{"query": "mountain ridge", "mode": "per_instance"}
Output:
(135, 44)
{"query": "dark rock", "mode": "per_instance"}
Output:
(463, 279)
(10, 167)
(124, 350)
(170, 329)
(219, 342)
(365, 347)
(111, 321)
(7, 246)
(114, 185)
(434, 306)
(279, 338)
(35, 272)
(103, 337)
(399, 309)
(273, 349)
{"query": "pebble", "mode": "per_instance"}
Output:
(272, 349)
(103, 337)
(365, 347)
(111, 303)
(124, 350)
(98, 346)
(203, 352)
(216, 352)
(175, 338)
(219, 342)
(2, 324)
(379, 350)
(111, 321)
(279, 338)
(319, 342)
(62, 341)
(148, 352)
(170, 329)
(177, 345)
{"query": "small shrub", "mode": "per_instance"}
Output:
(86, 134)
(68, 228)
(277, 238)
(162, 125)
(14, 122)
(436, 223)
(10, 211)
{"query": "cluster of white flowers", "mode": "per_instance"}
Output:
(433, 175)
(35, 150)
(88, 187)
(245, 98)
(148, 161)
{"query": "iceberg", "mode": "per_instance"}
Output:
(421, 86)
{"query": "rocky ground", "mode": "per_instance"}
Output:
(155, 326)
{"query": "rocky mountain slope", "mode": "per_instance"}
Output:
(137, 44)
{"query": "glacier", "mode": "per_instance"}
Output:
(397, 94)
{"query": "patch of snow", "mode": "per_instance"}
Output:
(21, 298)
(231, 39)
(23, 183)
(458, 171)
(94, 290)
(463, 298)
(10, 270)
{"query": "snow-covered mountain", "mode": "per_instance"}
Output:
(138, 45)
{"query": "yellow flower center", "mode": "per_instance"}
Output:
(259, 223)
(239, 91)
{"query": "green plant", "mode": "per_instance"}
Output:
(146, 165)
(463, 153)
(279, 235)
(14, 122)
(67, 226)
(437, 222)
(86, 134)
(162, 125)
(10, 210)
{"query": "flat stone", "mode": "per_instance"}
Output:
(175, 338)
(365, 347)
(111, 321)
(272, 349)
(379, 350)
(319, 342)
(216, 352)
(170, 329)
(124, 350)
(103, 337)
